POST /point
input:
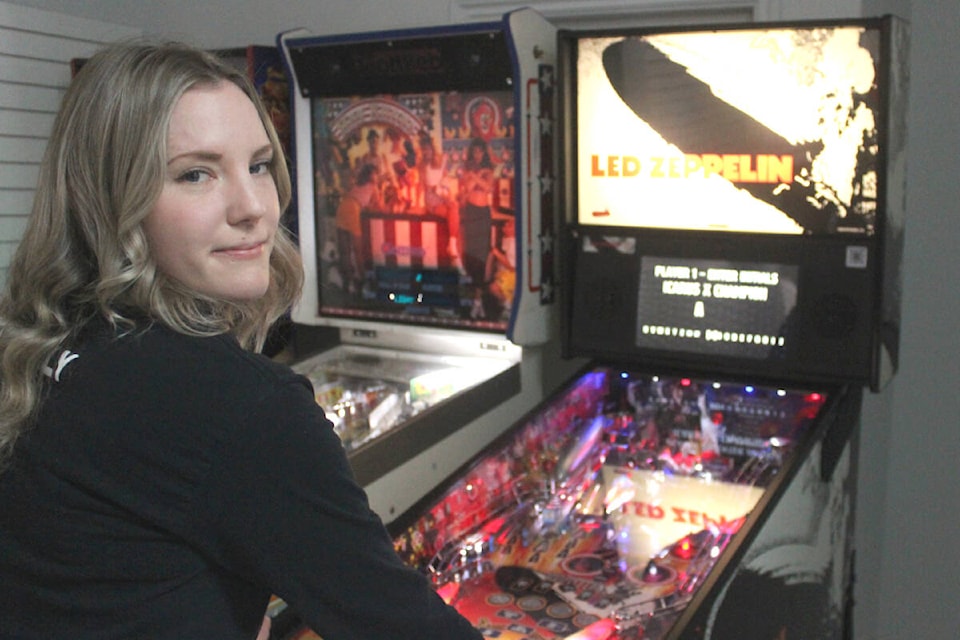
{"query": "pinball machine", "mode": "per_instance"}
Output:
(426, 218)
(731, 265)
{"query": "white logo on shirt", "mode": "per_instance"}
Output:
(65, 358)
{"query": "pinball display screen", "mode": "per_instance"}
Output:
(775, 130)
(414, 154)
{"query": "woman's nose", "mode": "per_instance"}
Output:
(249, 199)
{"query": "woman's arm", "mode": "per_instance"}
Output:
(294, 516)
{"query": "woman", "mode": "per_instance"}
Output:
(362, 196)
(476, 217)
(160, 479)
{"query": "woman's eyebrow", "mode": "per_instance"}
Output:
(212, 156)
(209, 156)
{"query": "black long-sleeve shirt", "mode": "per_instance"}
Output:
(172, 483)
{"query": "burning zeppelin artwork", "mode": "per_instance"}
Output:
(770, 131)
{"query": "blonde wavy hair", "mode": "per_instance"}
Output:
(84, 254)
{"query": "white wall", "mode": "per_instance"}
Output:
(909, 497)
(228, 23)
(921, 522)
(35, 51)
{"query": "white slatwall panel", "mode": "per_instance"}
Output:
(35, 52)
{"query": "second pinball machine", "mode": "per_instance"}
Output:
(731, 269)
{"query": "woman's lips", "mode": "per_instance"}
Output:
(244, 251)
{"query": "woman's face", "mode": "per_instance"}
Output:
(213, 226)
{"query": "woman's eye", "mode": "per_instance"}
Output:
(261, 168)
(192, 176)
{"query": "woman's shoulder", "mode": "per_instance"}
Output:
(156, 385)
(167, 358)
(214, 355)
